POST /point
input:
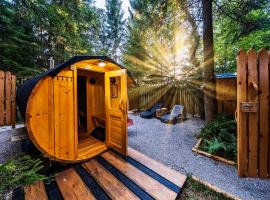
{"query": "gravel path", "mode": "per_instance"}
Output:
(9, 149)
(172, 144)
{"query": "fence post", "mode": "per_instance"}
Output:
(2, 111)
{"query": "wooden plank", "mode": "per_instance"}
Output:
(269, 123)
(8, 98)
(264, 110)
(242, 137)
(13, 101)
(253, 118)
(72, 187)
(56, 116)
(150, 185)
(75, 109)
(35, 191)
(112, 186)
(2, 111)
(44, 114)
(168, 173)
(64, 117)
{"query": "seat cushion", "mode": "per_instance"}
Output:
(146, 114)
(169, 118)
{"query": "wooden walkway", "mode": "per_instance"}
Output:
(110, 176)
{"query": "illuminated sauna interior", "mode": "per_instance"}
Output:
(91, 111)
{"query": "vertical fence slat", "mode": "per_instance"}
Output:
(252, 116)
(13, 101)
(269, 118)
(242, 135)
(8, 98)
(264, 109)
(2, 111)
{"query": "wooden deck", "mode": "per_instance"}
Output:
(111, 176)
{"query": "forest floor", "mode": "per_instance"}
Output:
(172, 145)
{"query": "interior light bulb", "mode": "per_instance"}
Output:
(101, 64)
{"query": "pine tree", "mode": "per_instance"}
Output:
(115, 27)
(18, 45)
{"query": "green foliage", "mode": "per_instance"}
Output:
(219, 137)
(239, 25)
(20, 171)
(195, 190)
(115, 27)
(162, 41)
(32, 31)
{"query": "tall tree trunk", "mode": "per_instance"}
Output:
(208, 50)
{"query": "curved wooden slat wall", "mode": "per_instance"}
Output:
(50, 117)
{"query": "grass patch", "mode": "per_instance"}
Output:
(20, 171)
(194, 190)
(219, 137)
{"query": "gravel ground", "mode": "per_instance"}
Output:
(172, 144)
(9, 149)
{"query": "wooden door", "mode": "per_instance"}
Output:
(116, 110)
(65, 115)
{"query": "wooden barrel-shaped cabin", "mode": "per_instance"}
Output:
(78, 109)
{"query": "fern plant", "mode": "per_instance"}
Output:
(219, 137)
(20, 171)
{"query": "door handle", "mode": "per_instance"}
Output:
(121, 105)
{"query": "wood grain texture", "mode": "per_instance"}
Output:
(116, 112)
(113, 187)
(242, 136)
(8, 98)
(72, 187)
(42, 135)
(168, 173)
(263, 112)
(269, 122)
(64, 113)
(150, 185)
(35, 191)
(13, 101)
(52, 114)
(2, 105)
(253, 118)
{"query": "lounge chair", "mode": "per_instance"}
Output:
(172, 118)
(151, 111)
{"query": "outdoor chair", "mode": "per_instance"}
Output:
(173, 117)
(151, 111)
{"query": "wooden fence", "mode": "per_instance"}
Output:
(253, 113)
(226, 95)
(143, 97)
(7, 99)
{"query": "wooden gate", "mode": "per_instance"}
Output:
(7, 99)
(253, 113)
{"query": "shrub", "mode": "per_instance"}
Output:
(20, 171)
(219, 137)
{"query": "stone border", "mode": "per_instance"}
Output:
(218, 158)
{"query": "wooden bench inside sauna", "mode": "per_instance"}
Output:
(78, 109)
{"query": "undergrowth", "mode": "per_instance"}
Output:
(19, 171)
(219, 137)
(194, 190)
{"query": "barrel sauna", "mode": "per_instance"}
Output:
(78, 109)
